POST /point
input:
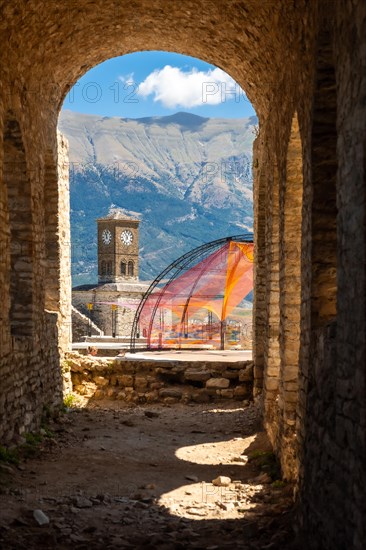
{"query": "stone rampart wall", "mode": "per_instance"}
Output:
(101, 314)
(35, 330)
(81, 326)
(148, 381)
(31, 383)
(332, 406)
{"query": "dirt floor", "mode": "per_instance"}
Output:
(114, 477)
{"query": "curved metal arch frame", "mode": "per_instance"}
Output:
(177, 267)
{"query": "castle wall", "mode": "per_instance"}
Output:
(36, 329)
(152, 381)
(298, 57)
(102, 314)
(82, 326)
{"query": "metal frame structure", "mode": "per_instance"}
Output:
(175, 269)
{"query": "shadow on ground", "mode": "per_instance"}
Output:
(115, 477)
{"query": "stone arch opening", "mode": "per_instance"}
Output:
(17, 183)
(271, 46)
(130, 269)
(250, 66)
(324, 174)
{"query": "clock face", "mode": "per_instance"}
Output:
(106, 236)
(127, 237)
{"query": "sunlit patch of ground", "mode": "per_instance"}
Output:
(218, 452)
(111, 477)
(200, 500)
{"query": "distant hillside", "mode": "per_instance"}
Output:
(189, 177)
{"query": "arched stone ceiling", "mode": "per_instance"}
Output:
(53, 43)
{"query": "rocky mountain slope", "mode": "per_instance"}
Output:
(188, 177)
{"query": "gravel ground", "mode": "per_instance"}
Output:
(117, 477)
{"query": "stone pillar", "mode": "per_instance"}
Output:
(291, 191)
(271, 346)
(21, 236)
(57, 239)
(259, 301)
(64, 236)
(5, 340)
(29, 356)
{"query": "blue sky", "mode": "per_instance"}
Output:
(156, 84)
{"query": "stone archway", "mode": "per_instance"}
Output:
(270, 48)
(249, 41)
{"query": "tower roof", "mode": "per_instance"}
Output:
(121, 214)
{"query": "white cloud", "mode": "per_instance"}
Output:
(174, 87)
(128, 79)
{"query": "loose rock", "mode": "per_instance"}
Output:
(196, 512)
(263, 478)
(218, 383)
(41, 517)
(151, 414)
(221, 481)
(192, 478)
(82, 502)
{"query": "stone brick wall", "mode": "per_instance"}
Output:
(101, 314)
(35, 322)
(30, 382)
(290, 209)
(259, 298)
(62, 214)
(271, 342)
(298, 57)
(332, 408)
(81, 326)
(318, 430)
(144, 381)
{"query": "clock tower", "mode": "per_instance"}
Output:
(118, 247)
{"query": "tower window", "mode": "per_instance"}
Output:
(123, 268)
(103, 268)
(130, 269)
(109, 268)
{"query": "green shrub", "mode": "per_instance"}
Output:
(65, 367)
(8, 456)
(69, 400)
(32, 439)
(48, 432)
(267, 462)
(278, 484)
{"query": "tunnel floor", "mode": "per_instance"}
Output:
(140, 477)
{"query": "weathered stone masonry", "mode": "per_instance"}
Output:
(35, 307)
(150, 381)
(303, 66)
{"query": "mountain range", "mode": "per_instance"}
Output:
(187, 177)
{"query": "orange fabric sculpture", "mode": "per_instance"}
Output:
(190, 309)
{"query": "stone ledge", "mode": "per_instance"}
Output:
(158, 381)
